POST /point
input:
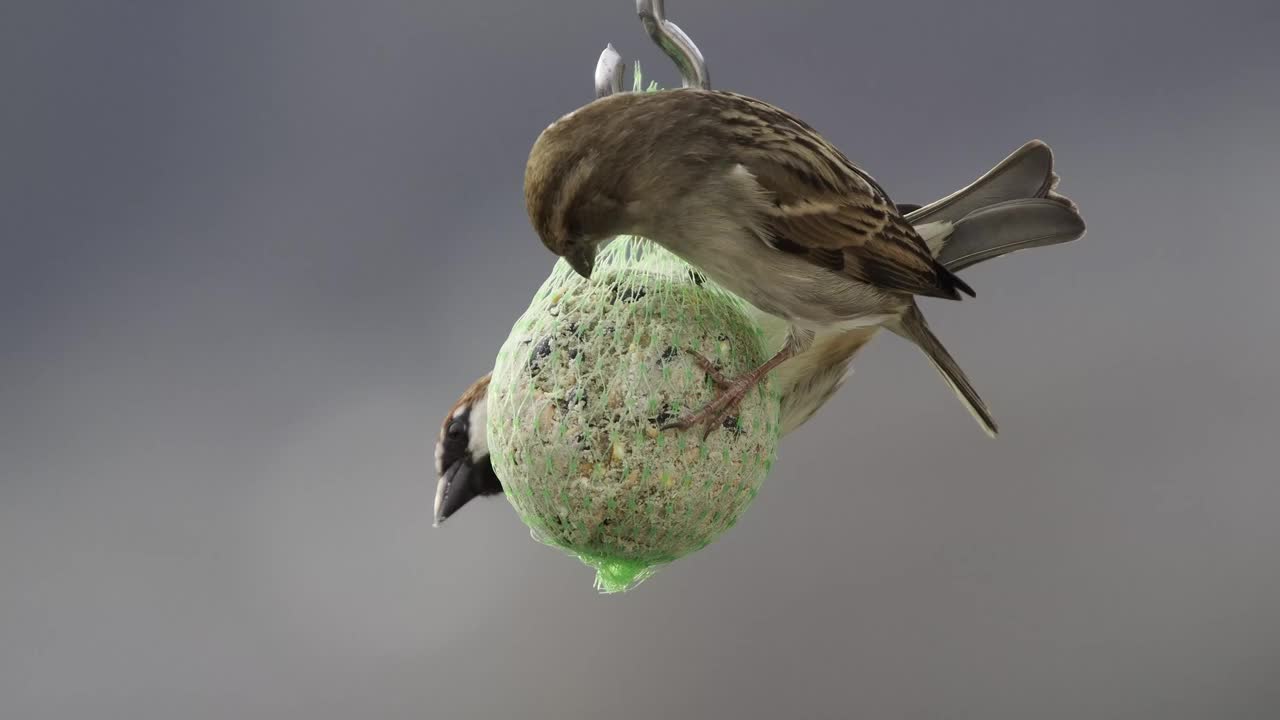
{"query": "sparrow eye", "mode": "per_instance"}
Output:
(456, 431)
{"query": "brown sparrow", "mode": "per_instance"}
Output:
(758, 201)
(1011, 207)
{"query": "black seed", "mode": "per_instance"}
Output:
(669, 354)
(663, 415)
(542, 350)
(626, 295)
(544, 347)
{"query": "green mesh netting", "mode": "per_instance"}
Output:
(580, 388)
(589, 374)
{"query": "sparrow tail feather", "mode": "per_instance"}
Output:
(912, 326)
(1008, 226)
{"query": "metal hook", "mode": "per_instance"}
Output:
(669, 37)
(609, 70)
(675, 43)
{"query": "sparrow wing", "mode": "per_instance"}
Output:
(827, 210)
(849, 229)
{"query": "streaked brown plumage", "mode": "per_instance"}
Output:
(820, 206)
(756, 199)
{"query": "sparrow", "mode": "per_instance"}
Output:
(1011, 207)
(755, 199)
(463, 469)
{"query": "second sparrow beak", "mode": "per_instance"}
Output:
(454, 490)
(582, 259)
(464, 481)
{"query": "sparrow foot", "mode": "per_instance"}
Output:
(714, 413)
(731, 391)
(711, 369)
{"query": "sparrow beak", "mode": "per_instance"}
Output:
(454, 489)
(462, 482)
(582, 259)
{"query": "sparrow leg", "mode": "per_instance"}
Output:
(712, 370)
(733, 391)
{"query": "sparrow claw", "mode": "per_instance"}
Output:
(714, 413)
(712, 370)
(726, 403)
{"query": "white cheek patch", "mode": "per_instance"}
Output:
(478, 443)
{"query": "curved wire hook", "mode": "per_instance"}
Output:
(669, 37)
(675, 43)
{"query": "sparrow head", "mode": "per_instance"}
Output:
(575, 185)
(463, 469)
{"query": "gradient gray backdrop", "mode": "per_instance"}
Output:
(252, 251)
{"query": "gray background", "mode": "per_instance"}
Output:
(253, 250)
